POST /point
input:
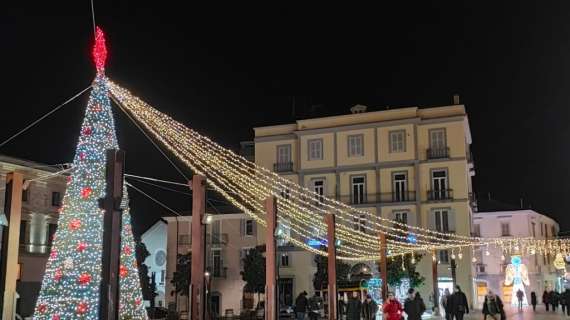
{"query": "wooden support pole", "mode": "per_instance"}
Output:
(435, 283)
(270, 259)
(384, 266)
(331, 249)
(112, 222)
(10, 244)
(198, 297)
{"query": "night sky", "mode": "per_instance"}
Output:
(224, 70)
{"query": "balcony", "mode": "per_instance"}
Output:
(440, 195)
(437, 153)
(283, 167)
(394, 197)
(219, 239)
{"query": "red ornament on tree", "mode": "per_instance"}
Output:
(55, 317)
(82, 156)
(99, 50)
(81, 246)
(84, 279)
(58, 275)
(87, 131)
(69, 179)
(42, 308)
(74, 224)
(123, 271)
(86, 192)
(127, 250)
(53, 254)
(97, 108)
(137, 301)
(81, 308)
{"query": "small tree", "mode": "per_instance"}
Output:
(321, 278)
(396, 273)
(181, 277)
(148, 287)
(254, 271)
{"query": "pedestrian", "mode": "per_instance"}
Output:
(301, 305)
(341, 308)
(446, 304)
(493, 307)
(459, 305)
(316, 306)
(553, 296)
(414, 305)
(354, 307)
(546, 299)
(392, 309)
(533, 300)
(562, 302)
(566, 298)
(520, 296)
(369, 308)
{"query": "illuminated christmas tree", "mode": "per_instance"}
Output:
(70, 288)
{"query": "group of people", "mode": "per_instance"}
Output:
(313, 306)
(552, 300)
(454, 304)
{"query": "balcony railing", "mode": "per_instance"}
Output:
(392, 197)
(283, 167)
(438, 153)
(218, 239)
(441, 194)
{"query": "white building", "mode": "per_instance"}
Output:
(155, 241)
(490, 267)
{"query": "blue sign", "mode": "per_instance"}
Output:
(412, 238)
(315, 243)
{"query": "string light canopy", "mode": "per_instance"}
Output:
(301, 210)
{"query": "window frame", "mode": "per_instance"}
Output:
(404, 196)
(391, 143)
(352, 184)
(249, 222)
(287, 147)
(438, 212)
(285, 256)
(431, 131)
(56, 203)
(310, 154)
(321, 197)
(353, 138)
(402, 213)
(508, 225)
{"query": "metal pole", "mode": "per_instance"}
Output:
(111, 258)
(10, 244)
(383, 266)
(197, 276)
(270, 263)
(331, 248)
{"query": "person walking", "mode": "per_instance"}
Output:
(316, 306)
(369, 308)
(392, 309)
(493, 307)
(533, 300)
(546, 299)
(520, 296)
(354, 307)
(445, 303)
(414, 305)
(566, 298)
(459, 305)
(553, 297)
(301, 305)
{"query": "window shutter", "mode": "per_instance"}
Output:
(254, 227)
(451, 217)
(431, 218)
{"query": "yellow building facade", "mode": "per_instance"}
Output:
(409, 164)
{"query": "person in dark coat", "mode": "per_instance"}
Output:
(301, 305)
(546, 299)
(533, 300)
(566, 298)
(553, 297)
(446, 303)
(414, 305)
(354, 307)
(369, 308)
(459, 305)
(493, 307)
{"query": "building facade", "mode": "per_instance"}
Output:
(490, 267)
(155, 241)
(410, 164)
(41, 201)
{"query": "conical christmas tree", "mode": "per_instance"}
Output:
(70, 288)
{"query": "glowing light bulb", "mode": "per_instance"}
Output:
(503, 257)
(487, 253)
(413, 261)
(474, 259)
(460, 255)
(453, 256)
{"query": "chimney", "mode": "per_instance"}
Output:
(358, 109)
(455, 99)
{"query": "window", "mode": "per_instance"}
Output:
(285, 260)
(552, 231)
(444, 256)
(505, 229)
(286, 193)
(439, 184)
(184, 239)
(162, 276)
(442, 220)
(541, 230)
(401, 216)
(477, 230)
(437, 139)
(356, 145)
(481, 268)
(316, 149)
(360, 223)
(242, 254)
(284, 153)
(249, 227)
(56, 199)
(533, 230)
(358, 195)
(25, 194)
(217, 262)
(319, 189)
(51, 233)
(284, 232)
(400, 185)
(23, 227)
(398, 141)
